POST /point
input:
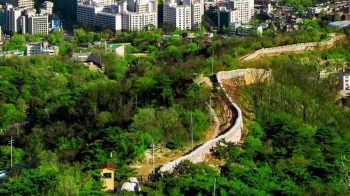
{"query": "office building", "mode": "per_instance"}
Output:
(54, 23)
(68, 7)
(227, 17)
(46, 8)
(19, 3)
(38, 24)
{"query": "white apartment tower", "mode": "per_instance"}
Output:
(186, 16)
(178, 15)
(245, 9)
(87, 11)
(13, 19)
(140, 15)
(19, 3)
(38, 24)
(111, 20)
(135, 21)
(130, 15)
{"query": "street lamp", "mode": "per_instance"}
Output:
(11, 142)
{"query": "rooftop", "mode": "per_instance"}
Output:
(110, 166)
(114, 46)
(339, 24)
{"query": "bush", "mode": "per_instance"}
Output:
(175, 144)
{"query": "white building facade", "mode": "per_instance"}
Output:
(109, 20)
(34, 48)
(130, 15)
(87, 11)
(38, 24)
(245, 9)
(19, 3)
(178, 15)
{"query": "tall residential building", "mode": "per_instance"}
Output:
(245, 9)
(178, 15)
(19, 3)
(135, 21)
(197, 13)
(112, 21)
(140, 15)
(185, 15)
(87, 11)
(227, 18)
(38, 24)
(131, 15)
(15, 19)
(2, 16)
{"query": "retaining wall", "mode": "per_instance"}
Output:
(232, 135)
(293, 47)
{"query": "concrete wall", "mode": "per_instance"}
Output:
(232, 135)
(293, 48)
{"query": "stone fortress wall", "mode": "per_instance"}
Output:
(293, 48)
(232, 135)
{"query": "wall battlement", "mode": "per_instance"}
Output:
(234, 134)
(293, 48)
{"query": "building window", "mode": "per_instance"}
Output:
(107, 175)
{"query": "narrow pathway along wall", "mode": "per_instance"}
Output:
(232, 135)
(293, 47)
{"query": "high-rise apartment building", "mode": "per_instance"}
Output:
(226, 17)
(24, 20)
(131, 15)
(197, 12)
(245, 9)
(109, 20)
(19, 3)
(178, 15)
(140, 15)
(87, 11)
(12, 18)
(184, 15)
(2, 16)
(135, 21)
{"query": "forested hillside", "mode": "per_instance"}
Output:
(298, 139)
(71, 119)
(66, 119)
